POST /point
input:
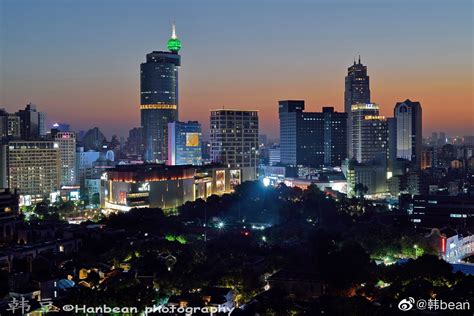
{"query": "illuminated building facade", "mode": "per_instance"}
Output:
(184, 143)
(67, 157)
(33, 167)
(357, 90)
(369, 132)
(234, 141)
(161, 186)
(311, 138)
(159, 98)
(409, 134)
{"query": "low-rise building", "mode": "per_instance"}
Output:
(160, 186)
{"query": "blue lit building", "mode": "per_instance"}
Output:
(184, 143)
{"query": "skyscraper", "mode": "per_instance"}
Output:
(289, 112)
(184, 143)
(67, 157)
(31, 121)
(335, 136)
(159, 98)
(392, 141)
(42, 124)
(311, 138)
(9, 126)
(369, 132)
(234, 140)
(357, 90)
(409, 134)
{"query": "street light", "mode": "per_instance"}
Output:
(416, 248)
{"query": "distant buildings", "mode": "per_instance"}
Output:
(409, 131)
(43, 129)
(311, 138)
(159, 98)
(206, 151)
(426, 158)
(135, 146)
(234, 140)
(30, 122)
(184, 143)
(85, 163)
(10, 126)
(357, 90)
(93, 139)
(62, 127)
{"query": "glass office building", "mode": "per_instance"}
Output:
(184, 143)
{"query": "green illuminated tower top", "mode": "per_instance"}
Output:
(174, 44)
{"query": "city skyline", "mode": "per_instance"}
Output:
(219, 54)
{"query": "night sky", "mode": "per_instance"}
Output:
(79, 60)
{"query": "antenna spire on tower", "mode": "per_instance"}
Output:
(173, 31)
(359, 59)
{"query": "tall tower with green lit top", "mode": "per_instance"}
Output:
(159, 98)
(174, 44)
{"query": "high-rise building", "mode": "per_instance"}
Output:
(234, 140)
(67, 157)
(311, 138)
(369, 132)
(42, 124)
(335, 136)
(409, 133)
(426, 158)
(392, 141)
(30, 120)
(206, 150)
(434, 139)
(85, 163)
(442, 140)
(357, 90)
(290, 112)
(93, 139)
(134, 145)
(184, 143)
(33, 167)
(9, 125)
(159, 98)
